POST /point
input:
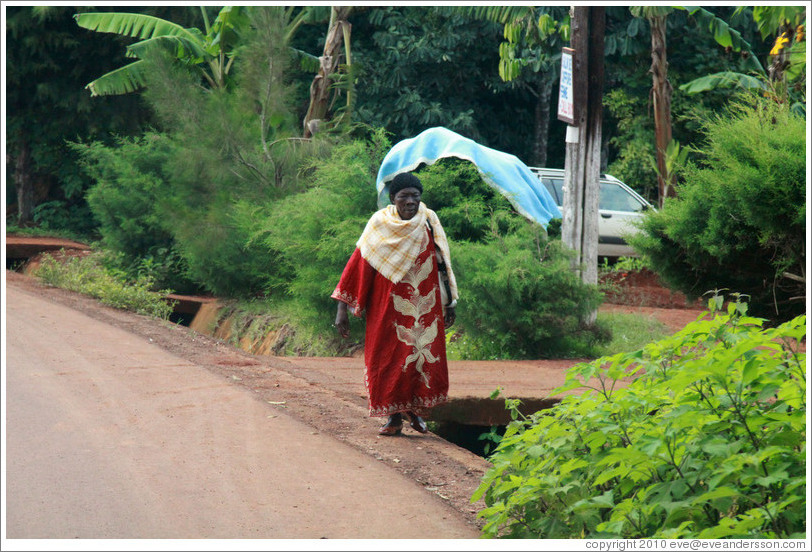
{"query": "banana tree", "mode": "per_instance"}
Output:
(661, 89)
(329, 68)
(727, 37)
(788, 54)
(212, 53)
(660, 94)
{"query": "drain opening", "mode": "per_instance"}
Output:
(15, 264)
(466, 422)
(474, 438)
(186, 307)
(182, 318)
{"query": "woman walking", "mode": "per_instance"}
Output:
(400, 276)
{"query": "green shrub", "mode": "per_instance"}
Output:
(519, 296)
(462, 201)
(67, 217)
(707, 441)
(88, 275)
(739, 221)
(312, 234)
(130, 185)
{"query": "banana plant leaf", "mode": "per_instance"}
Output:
(307, 62)
(179, 46)
(725, 79)
(119, 81)
(143, 27)
(725, 35)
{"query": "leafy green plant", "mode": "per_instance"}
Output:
(87, 275)
(130, 186)
(464, 204)
(699, 435)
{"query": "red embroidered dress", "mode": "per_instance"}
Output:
(404, 352)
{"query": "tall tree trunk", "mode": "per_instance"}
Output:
(23, 184)
(661, 99)
(541, 135)
(329, 63)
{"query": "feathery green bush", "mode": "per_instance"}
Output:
(739, 219)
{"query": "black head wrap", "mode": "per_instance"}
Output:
(404, 180)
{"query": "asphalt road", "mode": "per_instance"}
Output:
(111, 437)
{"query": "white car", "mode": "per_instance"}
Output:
(619, 206)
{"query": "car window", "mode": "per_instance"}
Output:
(612, 196)
(616, 198)
(556, 188)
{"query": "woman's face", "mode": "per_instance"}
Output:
(406, 202)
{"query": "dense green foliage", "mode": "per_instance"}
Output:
(312, 234)
(129, 187)
(421, 67)
(521, 298)
(47, 68)
(708, 440)
(92, 276)
(739, 221)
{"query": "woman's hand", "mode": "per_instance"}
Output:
(342, 323)
(450, 316)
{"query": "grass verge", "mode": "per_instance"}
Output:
(87, 275)
(629, 332)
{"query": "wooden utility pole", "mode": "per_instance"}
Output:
(583, 150)
(582, 161)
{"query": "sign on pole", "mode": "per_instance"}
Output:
(566, 96)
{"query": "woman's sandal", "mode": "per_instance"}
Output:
(417, 423)
(391, 427)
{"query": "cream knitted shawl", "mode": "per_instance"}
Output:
(391, 245)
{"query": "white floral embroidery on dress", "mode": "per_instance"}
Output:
(415, 306)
